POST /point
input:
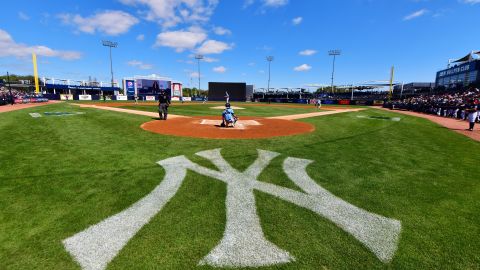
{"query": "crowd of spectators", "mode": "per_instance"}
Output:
(455, 105)
(5, 97)
(9, 96)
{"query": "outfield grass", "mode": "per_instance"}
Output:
(60, 175)
(210, 109)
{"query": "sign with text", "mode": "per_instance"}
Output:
(130, 87)
(84, 97)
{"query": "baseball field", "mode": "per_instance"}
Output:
(108, 186)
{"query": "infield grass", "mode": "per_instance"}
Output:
(215, 109)
(59, 175)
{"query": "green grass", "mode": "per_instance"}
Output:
(60, 175)
(208, 109)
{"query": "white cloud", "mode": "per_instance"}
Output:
(265, 48)
(23, 16)
(205, 58)
(170, 13)
(297, 20)
(307, 52)
(221, 31)
(213, 47)
(141, 37)
(415, 14)
(110, 22)
(8, 47)
(210, 59)
(261, 71)
(194, 75)
(180, 40)
(266, 3)
(275, 3)
(251, 64)
(303, 67)
(220, 69)
(473, 2)
(139, 64)
(248, 3)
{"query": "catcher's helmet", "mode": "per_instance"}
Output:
(227, 105)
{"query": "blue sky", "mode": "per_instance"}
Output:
(161, 36)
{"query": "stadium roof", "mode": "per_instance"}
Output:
(468, 57)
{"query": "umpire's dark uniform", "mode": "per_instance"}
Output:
(163, 103)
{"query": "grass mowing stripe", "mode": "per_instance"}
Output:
(411, 170)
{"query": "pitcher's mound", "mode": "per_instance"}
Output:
(246, 128)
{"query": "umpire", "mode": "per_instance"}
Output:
(163, 103)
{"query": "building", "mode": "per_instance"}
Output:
(74, 87)
(414, 87)
(148, 87)
(464, 72)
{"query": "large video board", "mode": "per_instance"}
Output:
(218, 90)
(153, 87)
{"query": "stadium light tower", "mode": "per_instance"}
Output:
(334, 53)
(269, 59)
(199, 57)
(110, 45)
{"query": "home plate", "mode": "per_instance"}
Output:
(223, 107)
(241, 124)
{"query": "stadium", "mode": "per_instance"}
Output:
(143, 169)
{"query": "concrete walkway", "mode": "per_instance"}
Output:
(456, 125)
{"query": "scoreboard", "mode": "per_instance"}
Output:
(217, 91)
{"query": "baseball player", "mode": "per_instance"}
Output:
(228, 116)
(227, 97)
(472, 116)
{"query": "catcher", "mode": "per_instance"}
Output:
(228, 117)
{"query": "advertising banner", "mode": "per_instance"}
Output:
(177, 89)
(84, 97)
(66, 97)
(175, 99)
(378, 102)
(150, 98)
(344, 102)
(361, 102)
(130, 87)
(121, 97)
(329, 101)
(187, 99)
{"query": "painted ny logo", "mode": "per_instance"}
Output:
(243, 243)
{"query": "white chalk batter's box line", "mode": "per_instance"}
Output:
(241, 124)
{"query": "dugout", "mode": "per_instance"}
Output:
(236, 91)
